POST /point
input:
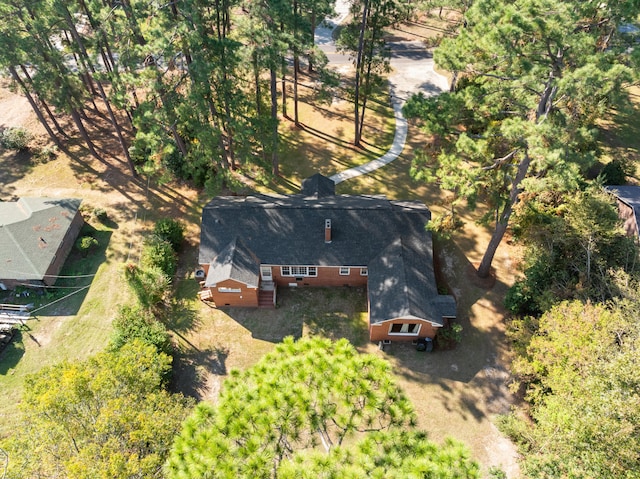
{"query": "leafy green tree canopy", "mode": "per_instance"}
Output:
(306, 395)
(574, 244)
(580, 370)
(109, 416)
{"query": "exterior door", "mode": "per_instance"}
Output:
(265, 273)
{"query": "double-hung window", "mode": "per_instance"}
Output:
(300, 271)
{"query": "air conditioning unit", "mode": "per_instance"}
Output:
(199, 273)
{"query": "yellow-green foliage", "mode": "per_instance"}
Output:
(107, 417)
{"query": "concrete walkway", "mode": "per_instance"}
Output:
(413, 72)
(399, 140)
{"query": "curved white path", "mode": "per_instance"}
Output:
(413, 73)
(399, 140)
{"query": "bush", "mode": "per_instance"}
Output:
(170, 230)
(15, 138)
(614, 173)
(158, 253)
(86, 244)
(445, 225)
(45, 154)
(133, 322)
(100, 214)
(449, 336)
(150, 285)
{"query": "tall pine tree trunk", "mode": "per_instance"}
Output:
(313, 35)
(275, 167)
(296, 65)
(44, 105)
(284, 88)
(34, 106)
(503, 220)
(363, 26)
(256, 79)
(102, 93)
(76, 117)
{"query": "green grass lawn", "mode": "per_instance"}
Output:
(70, 322)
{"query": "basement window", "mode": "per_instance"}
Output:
(405, 328)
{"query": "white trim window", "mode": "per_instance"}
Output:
(406, 329)
(299, 271)
(364, 271)
(223, 289)
(345, 271)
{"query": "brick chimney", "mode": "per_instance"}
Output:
(327, 231)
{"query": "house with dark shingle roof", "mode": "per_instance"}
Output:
(36, 236)
(628, 199)
(250, 246)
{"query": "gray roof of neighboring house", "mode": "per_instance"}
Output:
(31, 231)
(388, 237)
(631, 196)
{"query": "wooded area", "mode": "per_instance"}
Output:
(187, 86)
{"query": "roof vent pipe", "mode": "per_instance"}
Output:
(327, 231)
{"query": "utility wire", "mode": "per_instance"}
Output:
(53, 275)
(59, 299)
(30, 285)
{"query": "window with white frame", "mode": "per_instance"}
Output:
(344, 271)
(405, 328)
(300, 271)
(364, 271)
(222, 289)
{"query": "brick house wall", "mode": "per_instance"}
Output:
(383, 331)
(234, 293)
(326, 276)
(64, 249)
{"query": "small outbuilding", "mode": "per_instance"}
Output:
(628, 199)
(36, 236)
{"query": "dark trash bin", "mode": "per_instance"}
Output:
(424, 344)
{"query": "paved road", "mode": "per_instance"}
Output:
(412, 72)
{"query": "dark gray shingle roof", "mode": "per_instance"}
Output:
(631, 196)
(388, 237)
(237, 262)
(318, 186)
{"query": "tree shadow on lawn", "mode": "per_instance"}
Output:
(12, 352)
(335, 313)
(272, 325)
(192, 367)
(13, 167)
(479, 360)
